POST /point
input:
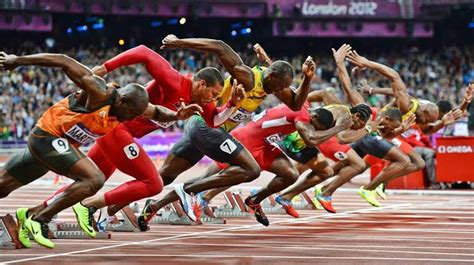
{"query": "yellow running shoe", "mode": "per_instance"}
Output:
(39, 231)
(84, 217)
(317, 204)
(369, 196)
(23, 233)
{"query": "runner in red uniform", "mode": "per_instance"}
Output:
(119, 150)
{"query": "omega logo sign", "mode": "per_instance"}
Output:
(454, 149)
(331, 9)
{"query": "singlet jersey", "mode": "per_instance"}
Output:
(80, 126)
(252, 101)
(333, 106)
(272, 124)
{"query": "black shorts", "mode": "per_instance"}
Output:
(199, 140)
(303, 156)
(45, 152)
(372, 145)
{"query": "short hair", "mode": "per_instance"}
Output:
(211, 75)
(363, 110)
(324, 117)
(137, 95)
(282, 68)
(393, 113)
(444, 106)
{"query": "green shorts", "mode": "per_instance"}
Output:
(45, 152)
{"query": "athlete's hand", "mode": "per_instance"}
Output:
(357, 60)
(186, 111)
(451, 117)
(408, 122)
(99, 70)
(7, 61)
(309, 67)
(170, 42)
(469, 92)
(345, 122)
(363, 87)
(238, 93)
(261, 54)
(341, 53)
(356, 69)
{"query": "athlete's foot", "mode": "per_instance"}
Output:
(23, 233)
(189, 203)
(286, 204)
(104, 219)
(369, 196)
(325, 201)
(315, 201)
(257, 211)
(39, 230)
(146, 215)
(380, 191)
(203, 203)
(85, 217)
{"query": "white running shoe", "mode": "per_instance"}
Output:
(188, 202)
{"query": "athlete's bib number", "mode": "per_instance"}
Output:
(61, 145)
(240, 115)
(131, 151)
(228, 146)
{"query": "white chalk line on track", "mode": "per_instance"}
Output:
(257, 226)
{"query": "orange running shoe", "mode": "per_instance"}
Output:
(287, 206)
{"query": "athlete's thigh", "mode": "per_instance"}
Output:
(282, 166)
(22, 169)
(101, 160)
(126, 154)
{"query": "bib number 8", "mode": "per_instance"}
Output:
(131, 151)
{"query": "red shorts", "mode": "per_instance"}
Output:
(263, 152)
(334, 150)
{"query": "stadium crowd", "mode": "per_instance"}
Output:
(26, 92)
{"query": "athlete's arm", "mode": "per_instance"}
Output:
(158, 67)
(81, 75)
(365, 88)
(339, 56)
(228, 57)
(163, 114)
(467, 97)
(448, 119)
(295, 99)
(262, 56)
(397, 84)
(350, 136)
(311, 137)
(326, 97)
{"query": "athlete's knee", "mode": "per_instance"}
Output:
(290, 175)
(419, 164)
(153, 186)
(252, 173)
(358, 164)
(326, 173)
(93, 183)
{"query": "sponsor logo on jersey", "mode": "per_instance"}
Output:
(81, 134)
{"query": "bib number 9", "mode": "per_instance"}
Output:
(61, 145)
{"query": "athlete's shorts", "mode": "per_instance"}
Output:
(199, 140)
(402, 144)
(45, 152)
(334, 150)
(264, 153)
(372, 145)
(303, 156)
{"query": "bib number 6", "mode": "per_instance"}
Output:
(131, 151)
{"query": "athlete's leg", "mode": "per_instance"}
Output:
(320, 171)
(8, 183)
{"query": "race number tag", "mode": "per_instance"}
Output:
(61, 145)
(81, 134)
(240, 115)
(340, 155)
(228, 146)
(131, 151)
(273, 139)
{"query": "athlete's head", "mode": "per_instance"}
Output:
(427, 112)
(207, 85)
(444, 107)
(278, 76)
(389, 119)
(131, 101)
(360, 115)
(321, 119)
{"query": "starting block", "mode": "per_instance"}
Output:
(9, 232)
(234, 207)
(269, 205)
(128, 223)
(64, 230)
(304, 202)
(175, 215)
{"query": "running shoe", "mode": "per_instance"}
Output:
(104, 220)
(39, 231)
(287, 206)
(369, 196)
(85, 218)
(257, 211)
(146, 215)
(380, 190)
(189, 203)
(315, 198)
(203, 203)
(23, 233)
(325, 201)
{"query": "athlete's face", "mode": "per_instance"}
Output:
(386, 124)
(427, 114)
(357, 122)
(207, 94)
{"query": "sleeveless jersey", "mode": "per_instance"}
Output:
(415, 104)
(245, 109)
(80, 126)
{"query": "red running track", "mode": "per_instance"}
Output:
(408, 229)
